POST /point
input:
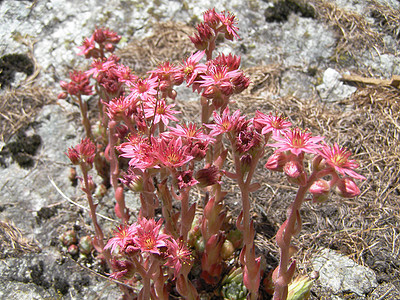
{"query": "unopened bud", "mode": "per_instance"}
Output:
(91, 185)
(85, 245)
(320, 191)
(276, 162)
(227, 250)
(68, 238)
(100, 191)
(62, 95)
(318, 163)
(73, 250)
(236, 238)
(110, 47)
(347, 188)
(72, 175)
(293, 169)
(245, 163)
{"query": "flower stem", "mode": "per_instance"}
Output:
(284, 237)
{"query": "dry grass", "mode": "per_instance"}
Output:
(386, 18)
(354, 32)
(19, 106)
(169, 41)
(13, 242)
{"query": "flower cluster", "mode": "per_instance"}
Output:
(214, 23)
(142, 145)
(79, 85)
(102, 40)
(143, 241)
(83, 153)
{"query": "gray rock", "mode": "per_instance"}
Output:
(297, 84)
(332, 89)
(341, 274)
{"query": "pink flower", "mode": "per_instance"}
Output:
(232, 62)
(218, 77)
(338, 158)
(88, 48)
(185, 179)
(347, 188)
(189, 132)
(297, 141)
(224, 123)
(144, 90)
(117, 107)
(84, 152)
(148, 237)
(123, 236)
(140, 152)
(277, 124)
(178, 255)
(168, 74)
(161, 112)
(100, 66)
(125, 75)
(211, 18)
(191, 67)
(79, 84)
(172, 154)
(229, 22)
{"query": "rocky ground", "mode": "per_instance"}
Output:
(296, 54)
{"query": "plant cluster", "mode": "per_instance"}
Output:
(140, 144)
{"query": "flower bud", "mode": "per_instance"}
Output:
(227, 250)
(208, 176)
(347, 188)
(109, 47)
(133, 182)
(245, 163)
(72, 176)
(100, 191)
(318, 163)
(91, 184)
(320, 191)
(293, 169)
(85, 245)
(276, 162)
(62, 95)
(73, 250)
(235, 236)
(68, 238)
(73, 155)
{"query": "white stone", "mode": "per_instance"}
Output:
(341, 274)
